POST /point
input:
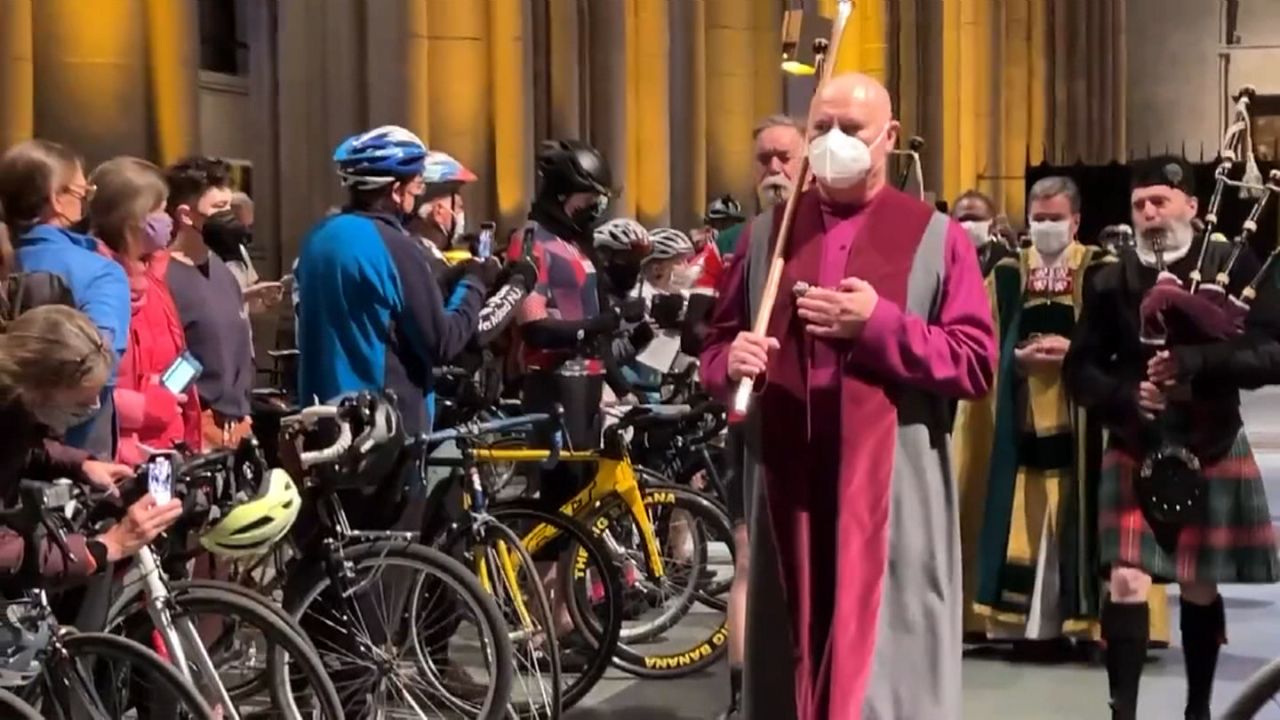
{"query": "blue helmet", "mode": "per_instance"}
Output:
(379, 157)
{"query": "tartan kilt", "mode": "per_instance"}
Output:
(1231, 542)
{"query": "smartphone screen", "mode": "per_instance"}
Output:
(179, 376)
(160, 479)
(484, 247)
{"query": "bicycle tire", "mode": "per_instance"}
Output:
(314, 579)
(705, 652)
(12, 706)
(1262, 686)
(494, 532)
(108, 645)
(708, 594)
(290, 646)
(603, 636)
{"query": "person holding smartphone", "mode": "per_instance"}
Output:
(127, 215)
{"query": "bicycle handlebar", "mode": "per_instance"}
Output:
(492, 426)
(311, 458)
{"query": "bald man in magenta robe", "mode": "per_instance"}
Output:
(857, 544)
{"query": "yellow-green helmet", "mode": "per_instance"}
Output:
(253, 526)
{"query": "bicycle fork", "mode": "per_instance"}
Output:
(178, 636)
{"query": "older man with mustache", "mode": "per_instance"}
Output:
(852, 380)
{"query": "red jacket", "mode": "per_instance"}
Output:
(148, 413)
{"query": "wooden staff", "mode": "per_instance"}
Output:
(821, 49)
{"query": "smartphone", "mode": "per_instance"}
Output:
(160, 479)
(184, 371)
(484, 246)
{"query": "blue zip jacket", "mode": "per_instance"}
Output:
(371, 315)
(97, 283)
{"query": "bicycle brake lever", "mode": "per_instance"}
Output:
(557, 444)
(59, 539)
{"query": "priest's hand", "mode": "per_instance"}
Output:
(749, 355)
(839, 313)
(1151, 399)
(1162, 369)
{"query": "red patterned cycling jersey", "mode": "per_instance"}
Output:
(566, 290)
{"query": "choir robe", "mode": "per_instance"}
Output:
(857, 538)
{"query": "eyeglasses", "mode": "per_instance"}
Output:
(81, 194)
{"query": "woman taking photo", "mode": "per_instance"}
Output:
(44, 193)
(127, 214)
(53, 368)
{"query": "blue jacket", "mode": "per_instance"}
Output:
(97, 283)
(371, 315)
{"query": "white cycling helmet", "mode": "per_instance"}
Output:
(621, 235)
(25, 638)
(670, 243)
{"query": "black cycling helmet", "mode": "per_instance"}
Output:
(724, 209)
(570, 166)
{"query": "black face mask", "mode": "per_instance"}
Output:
(621, 277)
(225, 234)
(587, 218)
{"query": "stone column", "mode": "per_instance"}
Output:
(512, 80)
(461, 116)
(609, 97)
(731, 105)
(564, 71)
(651, 122)
(17, 83)
(91, 77)
(689, 127)
(173, 67)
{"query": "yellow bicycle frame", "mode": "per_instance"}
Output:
(613, 477)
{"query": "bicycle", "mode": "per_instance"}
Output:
(163, 610)
(1260, 690)
(626, 514)
(373, 657)
(78, 667)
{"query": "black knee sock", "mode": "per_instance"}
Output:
(735, 687)
(1203, 631)
(1125, 631)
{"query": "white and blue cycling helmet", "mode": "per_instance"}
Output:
(380, 156)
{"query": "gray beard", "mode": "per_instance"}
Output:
(1177, 243)
(772, 191)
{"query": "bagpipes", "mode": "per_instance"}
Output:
(1169, 482)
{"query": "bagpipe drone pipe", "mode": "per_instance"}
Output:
(1203, 310)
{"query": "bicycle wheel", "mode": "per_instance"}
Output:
(107, 676)
(711, 591)
(12, 706)
(696, 545)
(286, 673)
(1260, 690)
(508, 573)
(368, 631)
(585, 577)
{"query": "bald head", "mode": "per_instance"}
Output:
(860, 107)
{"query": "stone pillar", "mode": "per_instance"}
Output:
(766, 42)
(17, 83)
(689, 127)
(173, 66)
(731, 105)
(609, 97)
(461, 116)
(512, 79)
(651, 121)
(395, 80)
(564, 71)
(91, 77)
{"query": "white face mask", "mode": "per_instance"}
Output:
(841, 161)
(979, 231)
(459, 225)
(1051, 237)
